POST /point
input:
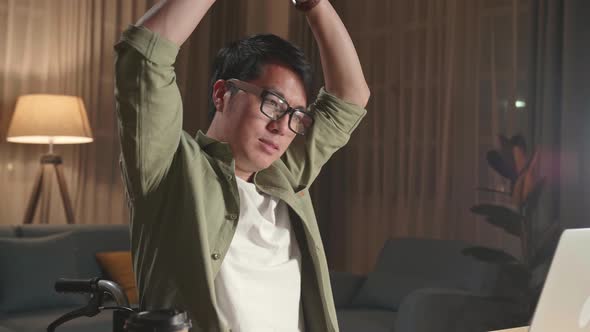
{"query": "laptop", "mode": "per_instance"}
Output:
(564, 305)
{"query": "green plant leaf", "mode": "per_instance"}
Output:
(505, 144)
(500, 216)
(532, 200)
(502, 166)
(518, 140)
(530, 159)
(489, 255)
(506, 152)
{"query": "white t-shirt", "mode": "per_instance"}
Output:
(259, 283)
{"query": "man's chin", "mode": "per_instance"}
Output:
(257, 162)
(263, 163)
(263, 166)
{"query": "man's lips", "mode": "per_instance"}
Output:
(269, 143)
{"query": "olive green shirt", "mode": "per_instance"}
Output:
(183, 195)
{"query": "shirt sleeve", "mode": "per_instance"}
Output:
(334, 121)
(148, 105)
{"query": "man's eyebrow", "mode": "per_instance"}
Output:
(276, 92)
(280, 94)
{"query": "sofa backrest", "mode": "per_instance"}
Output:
(87, 240)
(33, 257)
(438, 260)
(7, 231)
(36, 230)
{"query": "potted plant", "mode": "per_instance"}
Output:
(518, 166)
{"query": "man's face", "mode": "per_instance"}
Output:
(257, 141)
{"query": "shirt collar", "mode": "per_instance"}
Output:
(216, 149)
(266, 178)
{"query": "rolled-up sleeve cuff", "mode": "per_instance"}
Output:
(152, 46)
(346, 116)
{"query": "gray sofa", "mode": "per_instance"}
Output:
(425, 285)
(417, 285)
(33, 257)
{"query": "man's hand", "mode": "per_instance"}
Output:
(342, 70)
(175, 20)
(305, 5)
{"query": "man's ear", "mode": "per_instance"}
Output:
(219, 90)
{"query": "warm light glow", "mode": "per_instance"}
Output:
(49, 139)
(520, 104)
(45, 119)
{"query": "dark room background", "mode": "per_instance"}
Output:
(446, 78)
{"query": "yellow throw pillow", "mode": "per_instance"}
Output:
(118, 266)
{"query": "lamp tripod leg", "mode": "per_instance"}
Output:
(65, 197)
(34, 199)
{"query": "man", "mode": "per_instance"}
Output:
(222, 225)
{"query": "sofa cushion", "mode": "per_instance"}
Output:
(366, 320)
(385, 290)
(30, 268)
(38, 321)
(438, 259)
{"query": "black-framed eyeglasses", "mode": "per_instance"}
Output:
(275, 107)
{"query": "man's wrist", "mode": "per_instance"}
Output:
(305, 5)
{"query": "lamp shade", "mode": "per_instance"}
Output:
(45, 119)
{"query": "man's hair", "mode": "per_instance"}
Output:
(244, 59)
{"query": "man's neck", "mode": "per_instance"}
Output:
(246, 176)
(214, 133)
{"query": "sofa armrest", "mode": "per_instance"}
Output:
(448, 310)
(344, 287)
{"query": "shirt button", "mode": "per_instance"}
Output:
(216, 256)
(230, 177)
(232, 216)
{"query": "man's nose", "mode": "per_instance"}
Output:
(280, 126)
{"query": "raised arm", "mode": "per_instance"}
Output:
(149, 105)
(175, 20)
(342, 70)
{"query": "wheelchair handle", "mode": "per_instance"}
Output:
(94, 285)
(76, 285)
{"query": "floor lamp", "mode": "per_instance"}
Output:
(49, 119)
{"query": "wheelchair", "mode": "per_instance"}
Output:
(125, 318)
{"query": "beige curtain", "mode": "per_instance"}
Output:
(444, 77)
(66, 47)
(63, 47)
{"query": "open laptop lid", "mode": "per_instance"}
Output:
(564, 304)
